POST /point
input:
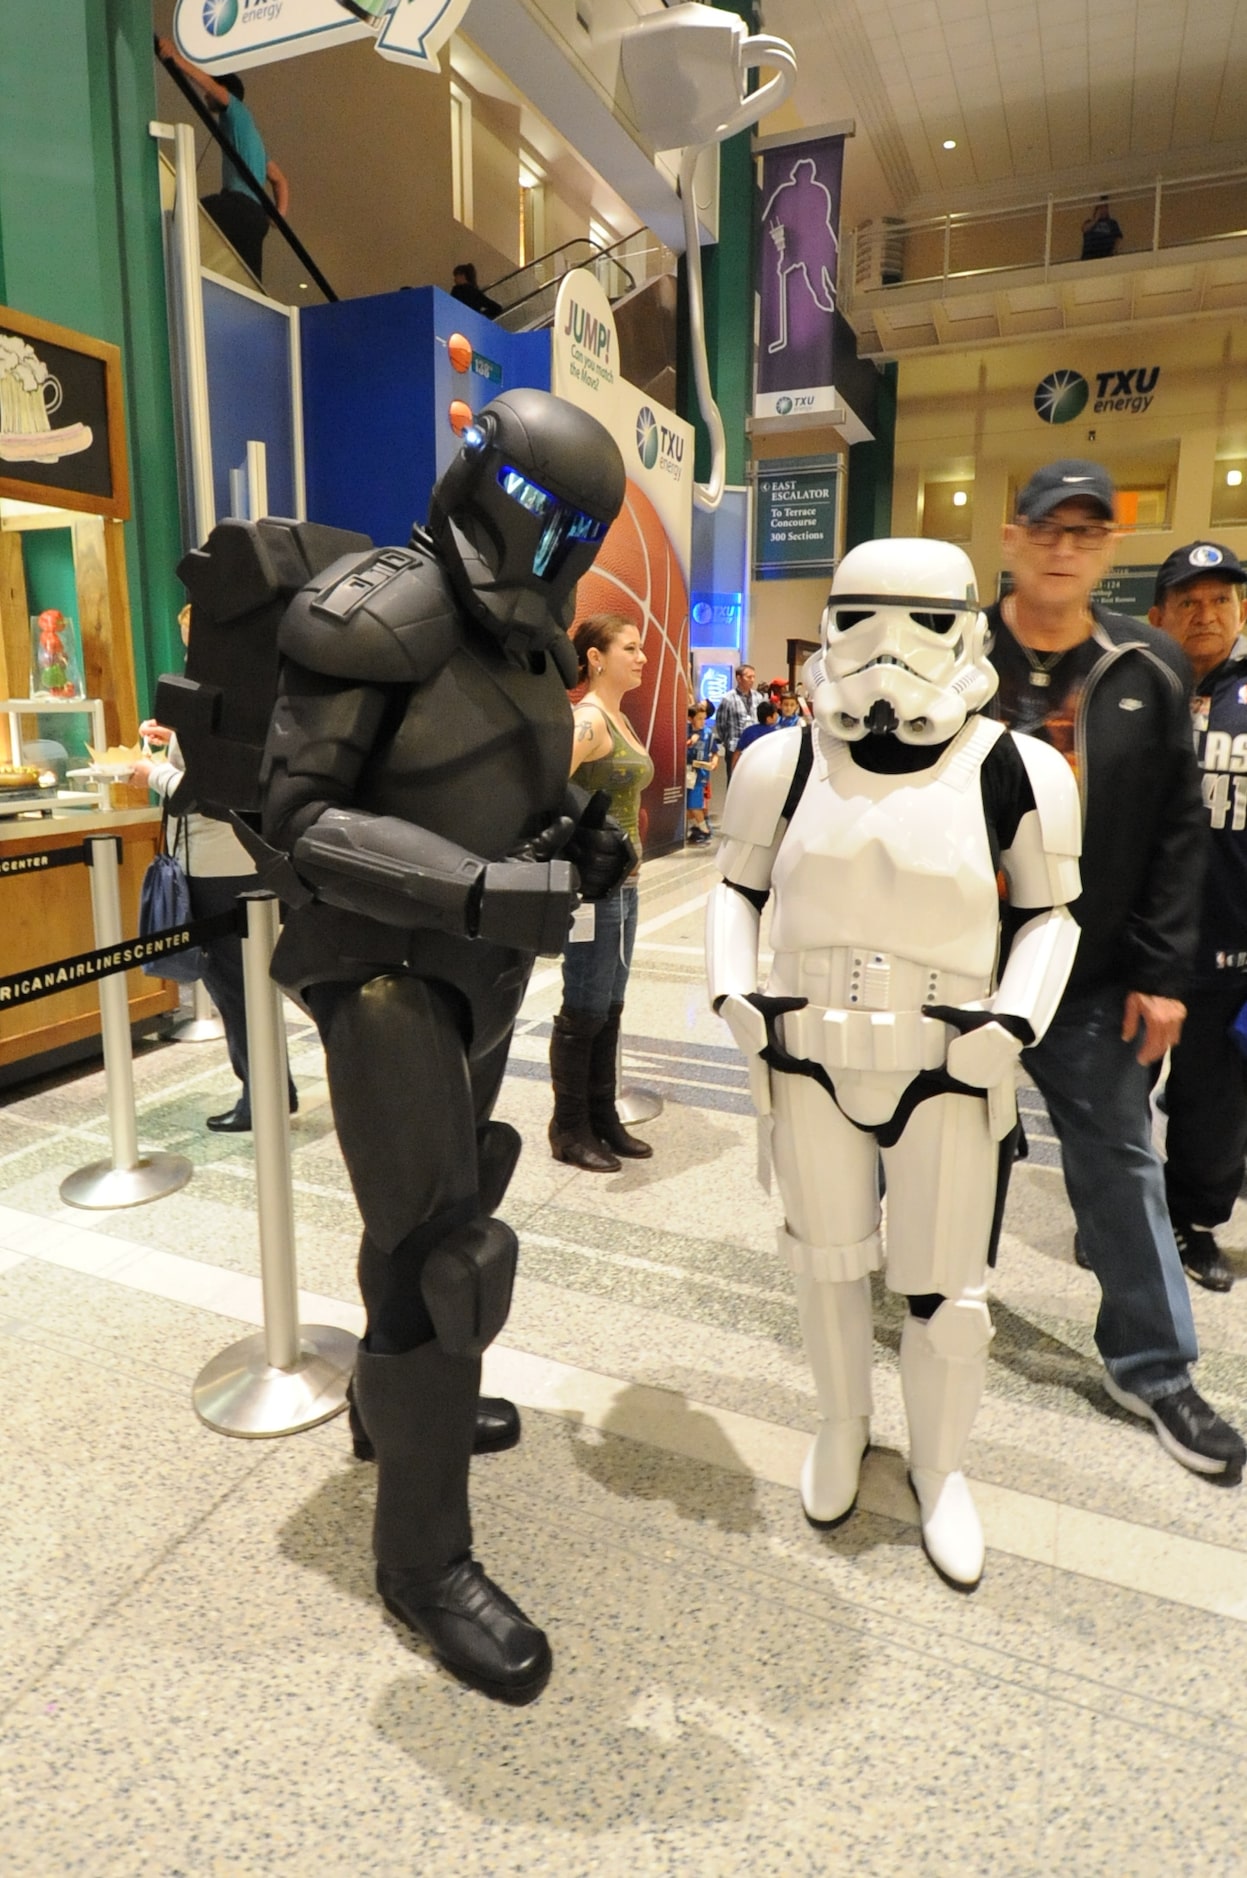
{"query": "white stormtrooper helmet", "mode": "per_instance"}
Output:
(903, 644)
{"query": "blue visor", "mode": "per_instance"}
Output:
(565, 526)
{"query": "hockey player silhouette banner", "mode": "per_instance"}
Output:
(798, 239)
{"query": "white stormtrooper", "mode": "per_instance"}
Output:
(886, 1025)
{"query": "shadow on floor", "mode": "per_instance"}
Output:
(711, 1488)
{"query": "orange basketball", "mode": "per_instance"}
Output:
(460, 415)
(638, 574)
(460, 350)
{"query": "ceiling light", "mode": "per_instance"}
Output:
(950, 143)
(960, 498)
(1233, 478)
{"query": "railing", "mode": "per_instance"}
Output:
(527, 295)
(254, 183)
(1170, 213)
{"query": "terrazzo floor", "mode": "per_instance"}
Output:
(199, 1681)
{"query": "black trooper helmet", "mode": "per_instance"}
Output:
(522, 510)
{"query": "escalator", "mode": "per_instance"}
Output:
(636, 274)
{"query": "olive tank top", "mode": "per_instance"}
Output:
(624, 774)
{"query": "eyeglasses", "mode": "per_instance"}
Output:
(1084, 535)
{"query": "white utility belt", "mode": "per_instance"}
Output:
(846, 978)
(865, 1008)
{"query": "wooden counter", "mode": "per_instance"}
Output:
(46, 916)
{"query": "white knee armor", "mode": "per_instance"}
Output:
(886, 1025)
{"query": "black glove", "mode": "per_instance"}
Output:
(599, 850)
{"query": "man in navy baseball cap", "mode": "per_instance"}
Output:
(1200, 602)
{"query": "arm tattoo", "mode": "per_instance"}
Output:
(586, 730)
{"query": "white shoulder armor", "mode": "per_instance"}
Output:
(1042, 865)
(759, 787)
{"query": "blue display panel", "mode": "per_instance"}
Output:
(249, 392)
(379, 378)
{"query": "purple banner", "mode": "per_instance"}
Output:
(797, 250)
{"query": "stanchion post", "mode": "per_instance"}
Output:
(128, 1178)
(204, 1026)
(290, 1376)
(267, 1074)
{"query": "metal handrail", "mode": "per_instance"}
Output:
(256, 187)
(541, 260)
(551, 287)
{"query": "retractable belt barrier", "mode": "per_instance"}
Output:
(40, 862)
(44, 981)
(289, 1376)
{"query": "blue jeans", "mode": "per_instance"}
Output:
(595, 971)
(1097, 1096)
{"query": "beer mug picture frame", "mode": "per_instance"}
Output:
(62, 434)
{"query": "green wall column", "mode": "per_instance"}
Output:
(868, 506)
(80, 244)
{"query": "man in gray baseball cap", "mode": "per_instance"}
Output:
(1199, 601)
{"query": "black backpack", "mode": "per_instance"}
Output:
(240, 583)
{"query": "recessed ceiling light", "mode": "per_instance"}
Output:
(950, 143)
(960, 498)
(1233, 478)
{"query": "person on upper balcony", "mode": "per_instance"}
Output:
(1100, 233)
(236, 211)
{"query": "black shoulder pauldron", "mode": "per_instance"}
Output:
(386, 617)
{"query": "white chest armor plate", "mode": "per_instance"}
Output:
(884, 878)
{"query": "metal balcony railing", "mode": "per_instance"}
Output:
(1170, 213)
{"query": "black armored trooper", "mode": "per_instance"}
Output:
(416, 774)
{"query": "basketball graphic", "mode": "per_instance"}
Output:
(460, 415)
(459, 350)
(637, 573)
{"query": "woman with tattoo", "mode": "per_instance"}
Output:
(586, 1130)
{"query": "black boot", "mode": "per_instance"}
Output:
(498, 1426)
(603, 1115)
(420, 1410)
(572, 1138)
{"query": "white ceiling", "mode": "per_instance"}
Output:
(1067, 96)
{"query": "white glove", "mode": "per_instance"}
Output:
(983, 1057)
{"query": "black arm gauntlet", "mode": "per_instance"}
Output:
(393, 871)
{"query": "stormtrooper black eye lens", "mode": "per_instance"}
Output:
(935, 622)
(845, 621)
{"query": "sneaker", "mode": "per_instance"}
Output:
(1202, 1258)
(1189, 1429)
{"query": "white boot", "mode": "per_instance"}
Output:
(943, 1367)
(837, 1322)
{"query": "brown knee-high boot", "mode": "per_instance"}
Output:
(572, 1138)
(603, 1115)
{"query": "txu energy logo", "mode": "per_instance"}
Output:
(220, 16)
(647, 436)
(1061, 396)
